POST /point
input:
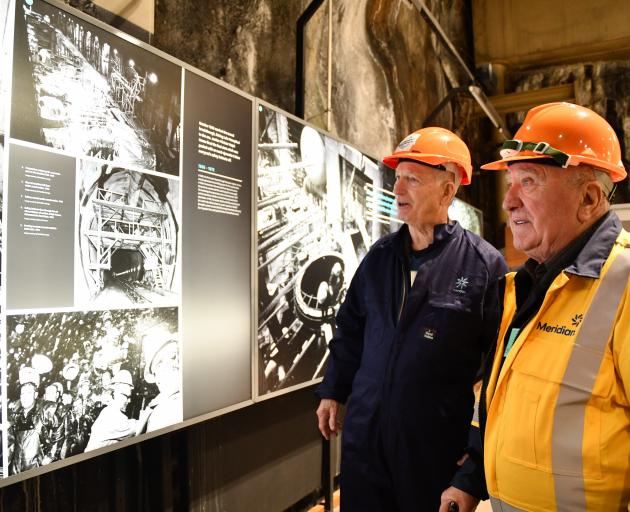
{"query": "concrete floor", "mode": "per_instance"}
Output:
(484, 506)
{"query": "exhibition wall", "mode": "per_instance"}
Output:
(173, 248)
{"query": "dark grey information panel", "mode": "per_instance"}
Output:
(216, 238)
(40, 236)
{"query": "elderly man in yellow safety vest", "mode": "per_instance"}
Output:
(555, 403)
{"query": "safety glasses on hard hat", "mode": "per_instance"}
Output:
(515, 146)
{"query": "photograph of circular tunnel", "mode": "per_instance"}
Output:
(85, 91)
(321, 205)
(128, 237)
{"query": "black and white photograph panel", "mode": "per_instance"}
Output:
(80, 381)
(128, 238)
(468, 216)
(366, 202)
(86, 91)
(316, 219)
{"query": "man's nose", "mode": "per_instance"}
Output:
(512, 199)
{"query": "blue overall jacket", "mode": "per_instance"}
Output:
(405, 358)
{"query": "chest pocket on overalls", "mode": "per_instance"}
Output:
(449, 316)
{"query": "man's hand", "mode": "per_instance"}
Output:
(465, 501)
(327, 417)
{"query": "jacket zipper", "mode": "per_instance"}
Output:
(404, 294)
(392, 355)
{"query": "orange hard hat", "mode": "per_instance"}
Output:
(569, 135)
(433, 146)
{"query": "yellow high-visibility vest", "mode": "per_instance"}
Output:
(557, 436)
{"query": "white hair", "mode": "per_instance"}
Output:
(456, 171)
(586, 173)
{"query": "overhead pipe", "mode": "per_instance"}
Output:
(299, 54)
(474, 90)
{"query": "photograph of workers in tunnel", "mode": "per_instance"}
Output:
(321, 205)
(79, 381)
(128, 238)
(83, 90)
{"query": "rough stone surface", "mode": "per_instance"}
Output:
(249, 44)
(388, 71)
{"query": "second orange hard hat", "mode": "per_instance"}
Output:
(568, 134)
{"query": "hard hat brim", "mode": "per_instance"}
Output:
(502, 165)
(392, 161)
(617, 173)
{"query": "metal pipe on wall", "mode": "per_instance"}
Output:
(329, 97)
(475, 91)
(299, 54)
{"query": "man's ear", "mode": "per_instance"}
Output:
(448, 191)
(592, 201)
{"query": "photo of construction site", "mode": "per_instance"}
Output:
(321, 205)
(88, 92)
(128, 237)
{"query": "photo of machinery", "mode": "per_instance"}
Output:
(321, 205)
(128, 237)
(85, 91)
(468, 216)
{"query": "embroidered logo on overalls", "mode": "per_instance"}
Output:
(461, 284)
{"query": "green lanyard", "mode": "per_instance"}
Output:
(511, 339)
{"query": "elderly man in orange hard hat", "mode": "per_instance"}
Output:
(555, 404)
(409, 338)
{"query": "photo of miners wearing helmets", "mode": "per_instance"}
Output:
(80, 381)
(321, 205)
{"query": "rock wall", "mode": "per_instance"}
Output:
(388, 70)
(386, 73)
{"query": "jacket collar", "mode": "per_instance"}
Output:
(441, 234)
(591, 259)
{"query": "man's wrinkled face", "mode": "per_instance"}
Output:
(418, 191)
(542, 206)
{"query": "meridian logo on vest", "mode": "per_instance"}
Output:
(560, 329)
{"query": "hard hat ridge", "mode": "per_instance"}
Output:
(434, 146)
